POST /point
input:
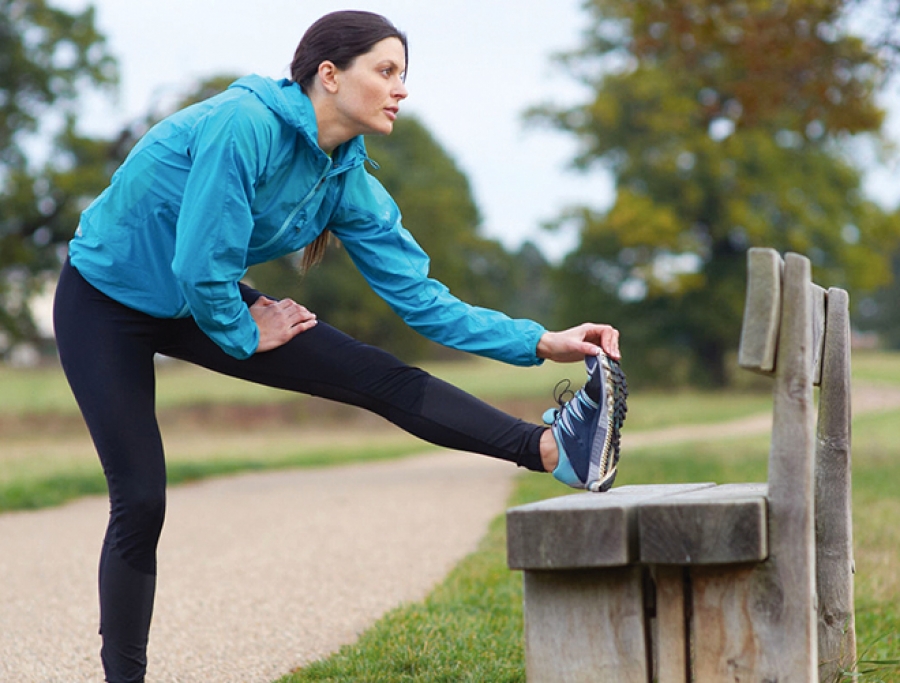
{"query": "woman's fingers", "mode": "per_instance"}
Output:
(280, 321)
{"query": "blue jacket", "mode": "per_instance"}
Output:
(240, 179)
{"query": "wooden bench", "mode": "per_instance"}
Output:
(707, 583)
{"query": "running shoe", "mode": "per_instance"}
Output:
(586, 426)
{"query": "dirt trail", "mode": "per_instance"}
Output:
(865, 399)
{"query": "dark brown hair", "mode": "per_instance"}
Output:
(338, 37)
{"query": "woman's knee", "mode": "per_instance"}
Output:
(137, 522)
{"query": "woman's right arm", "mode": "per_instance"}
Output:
(227, 151)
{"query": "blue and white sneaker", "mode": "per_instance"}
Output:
(586, 427)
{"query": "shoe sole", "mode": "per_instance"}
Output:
(616, 394)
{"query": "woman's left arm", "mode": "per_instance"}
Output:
(396, 268)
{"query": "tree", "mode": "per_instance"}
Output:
(436, 201)
(48, 57)
(722, 124)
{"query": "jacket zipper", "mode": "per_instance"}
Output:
(293, 214)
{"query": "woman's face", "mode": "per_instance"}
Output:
(371, 88)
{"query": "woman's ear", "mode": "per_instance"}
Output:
(328, 76)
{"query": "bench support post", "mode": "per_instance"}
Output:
(584, 626)
(834, 531)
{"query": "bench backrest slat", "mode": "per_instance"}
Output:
(819, 302)
(762, 315)
(762, 311)
(834, 533)
(791, 475)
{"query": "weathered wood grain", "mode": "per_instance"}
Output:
(789, 573)
(719, 525)
(585, 626)
(670, 643)
(818, 332)
(581, 530)
(738, 626)
(762, 311)
(834, 532)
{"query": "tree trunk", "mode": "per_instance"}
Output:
(712, 357)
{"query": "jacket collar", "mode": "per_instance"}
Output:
(293, 106)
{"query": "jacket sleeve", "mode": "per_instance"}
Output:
(215, 224)
(395, 266)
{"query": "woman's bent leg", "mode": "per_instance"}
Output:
(107, 353)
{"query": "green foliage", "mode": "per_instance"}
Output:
(722, 125)
(877, 311)
(438, 208)
(48, 57)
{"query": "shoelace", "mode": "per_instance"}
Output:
(572, 408)
(562, 388)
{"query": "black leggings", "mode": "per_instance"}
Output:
(107, 353)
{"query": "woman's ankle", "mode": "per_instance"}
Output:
(549, 451)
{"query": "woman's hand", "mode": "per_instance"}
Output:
(574, 344)
(279, 321)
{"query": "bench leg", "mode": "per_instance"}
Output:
(739, 625)
(586, 626)
(670, 629)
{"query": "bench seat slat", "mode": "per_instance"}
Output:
(582, 530)
(721, 525)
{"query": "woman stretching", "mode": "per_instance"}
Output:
(265, 169)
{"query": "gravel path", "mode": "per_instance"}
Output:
(258, 573)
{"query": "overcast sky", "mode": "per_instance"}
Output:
(474, 67)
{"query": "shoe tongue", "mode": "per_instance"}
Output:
(592, 388)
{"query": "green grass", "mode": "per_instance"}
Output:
(45, 391)
(879, 367)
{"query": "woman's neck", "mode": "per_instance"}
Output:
(331, 131)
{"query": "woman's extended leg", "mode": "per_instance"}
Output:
(325, 362)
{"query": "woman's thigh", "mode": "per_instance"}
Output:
(322, 361)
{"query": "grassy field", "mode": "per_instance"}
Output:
(469, 628)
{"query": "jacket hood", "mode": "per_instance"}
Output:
(293, 106)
